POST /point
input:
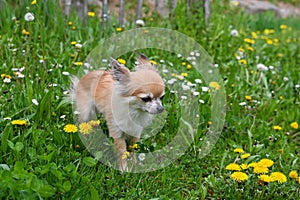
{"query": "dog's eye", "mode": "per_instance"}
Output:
(146, 99)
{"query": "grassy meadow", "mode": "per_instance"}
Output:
(256, 156)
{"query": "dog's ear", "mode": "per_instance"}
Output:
(144, 63)
(119, 72)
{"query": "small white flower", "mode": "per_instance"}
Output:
(66, 92)
(14, 69)
(7, 118)
(198, 81)
(104, 60)
(20, 75)
(271, 67)
(35, 102)
(29, 17)
(66, 73)
(185, 87)
(183, 97)
(141, 156)
(140, 22)
(171, 81)
(191, 84)
(162, 61)
(197, 54)
(297, 86)
(196, 93)
(192, 53)
(165, 71)
(76, 112)
(179, 55)
(63, 117)
(216, 65)
(242, 103)
(205, 89)
(6, 80)
(234, 33)
(180, 77)
(262, 67)
(285, 79)
(78, 46)
(201, 101)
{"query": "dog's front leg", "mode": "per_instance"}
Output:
(120, 144)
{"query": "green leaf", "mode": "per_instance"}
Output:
(47, 191)
(11, 144)
(19, 146)
(94, 193)
(67, 186)
(89, 161)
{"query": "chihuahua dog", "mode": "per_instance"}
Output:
(127, 99)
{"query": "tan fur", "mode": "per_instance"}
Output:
(111, 92)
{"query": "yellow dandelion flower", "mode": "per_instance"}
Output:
(280, 55)
(70, 128)
(241, 49)
(189, 66)
(20, 122)
(73, 28)
(253, 164)
(293, 174)
(250, 48)
(184, 74)
(85, 128)
(259, 169)
(266, 162)
(122, 61)
(153, 62)
(278, 176)
(243, 61)
(239, 176)
(78, 63)
(134, 146)
(25, 32)
(248, 98)
(119, 29)
(277, 128)
(280, 97)
(245, 155)
(283, 26)
(73, 42)
(254, 35)
(94, 122)
(70, 23)
(298, 180)
(233, 167)
(244, 166)
(91, 14)
(265, 178)
(125, 155)
(33, 2)
(294, 125)
(183, 63)
(215, 85)
(269, 41)
(248, 40)
(238, 150)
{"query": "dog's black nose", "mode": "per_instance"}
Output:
(160, 109)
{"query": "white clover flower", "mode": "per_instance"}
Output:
(198, 81)
(183, 97)
(78, 46)
(35, 102)
(171, 81)
(62, 117)
(29, 17)
(141, 156)
(196, 93)
(185, 87)
(242, 103)
(271, 67)
(262, 67)
(197, 54)
(201, 101)
(285, 79)
(205, 89)
(6, 80)
(297, 86)
(140, 22)
(66, 73)
(179, 55)
(20, 75)
(234, 33)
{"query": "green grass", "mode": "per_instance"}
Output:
(40, 160)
